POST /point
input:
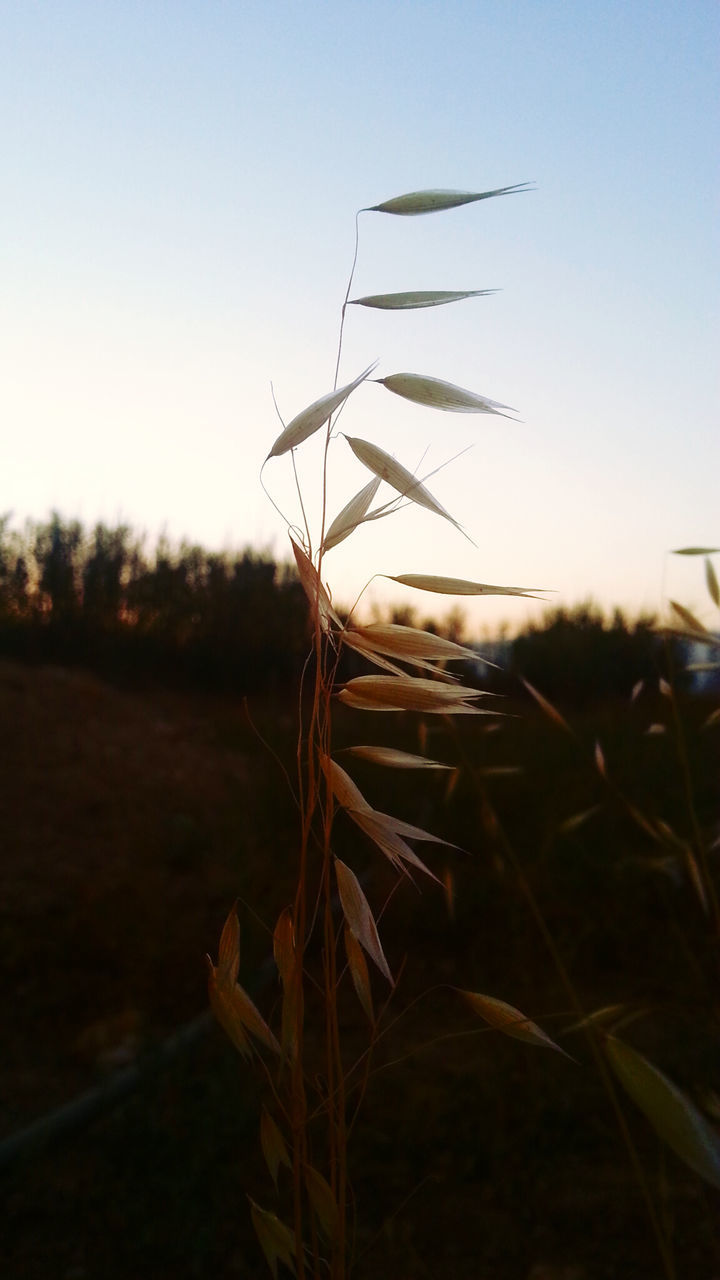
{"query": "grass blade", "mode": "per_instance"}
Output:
(314, 590)
(695, 551)
(504, 1017)
(458, 586)
(229, 949)
(688, 618)
(306, 423)
(393, 758)
(410, 693)
(277, 1241)
(359, 973)
(423, 298)
(323, 1202)
(397, 476)
(359, 917)
(381, 829)
(550, 711)
(351, 515)
(344, 789)
(671, 1113)
(712, 582)
(273, 1146)
(411, 644)
(436, 394)
(436, 200)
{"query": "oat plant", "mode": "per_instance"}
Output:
(325, 938)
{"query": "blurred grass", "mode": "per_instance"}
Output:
(131, 824)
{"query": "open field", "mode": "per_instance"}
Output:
(132, 820)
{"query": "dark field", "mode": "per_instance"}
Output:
(131, 822)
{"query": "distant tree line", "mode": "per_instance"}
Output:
(99, 599)
(579, 655)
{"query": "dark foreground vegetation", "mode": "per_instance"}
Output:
(132, 818)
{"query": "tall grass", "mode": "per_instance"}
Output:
(314, 1085)
(328, 941)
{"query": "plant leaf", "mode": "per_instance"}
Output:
(323, 1202)
(434, 201)
(392, 758)
(423, 298)
(343, 787)
(712, 582)
(436, 394)
(504, 1017)
(410, 693)
(277, 1240)
(284, 945)
(305, 424)
(359, 917)
(273, 1145)
(226, 1012)
(671, 1113)
(231, 1005)
(695, 551)
(379, 828)
(351, 515)
(397, 476)
(457, 586)
(359, 973)
(688, 618)
(410, 644)
(229, 949)
(318, 597)
(550, 711)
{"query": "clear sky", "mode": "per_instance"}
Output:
(176, 230)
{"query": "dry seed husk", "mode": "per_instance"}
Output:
(351, 515)
(306, 423)
(397, 476)
(457, 586)
(673, 1116)
(436, 394)
(435, 200)
(411, 694)
(359, 917)
(411, 644)
(422, 298)
(506, 1018)
(393, 758)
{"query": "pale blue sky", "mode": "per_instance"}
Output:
(176, 228)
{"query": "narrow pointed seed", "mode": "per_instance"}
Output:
(671, 1113)
(410, 693)
(436, 394)
(318, 597)
(359, 917)
(359, 973)
(712, 582)
(411, 643)
(305, 424)
(504, 1017)
(687, 617)
(423, 298)
(458, 586)
(397, 476)
(695, 551)
(393, 758)
(351, 515)
(436, 200)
